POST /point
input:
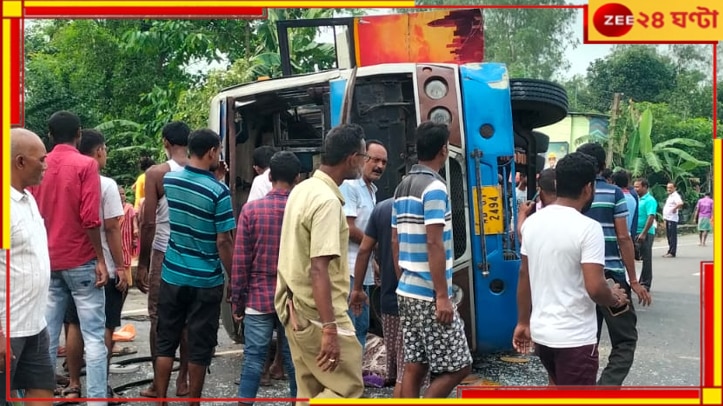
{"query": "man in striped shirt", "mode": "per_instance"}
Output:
(200, 248)
(611, 211)
(434, 338)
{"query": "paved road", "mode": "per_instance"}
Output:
(668, 348)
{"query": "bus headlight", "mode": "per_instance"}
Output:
(435, 89)
(440, 115)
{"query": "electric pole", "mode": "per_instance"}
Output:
(611, 127)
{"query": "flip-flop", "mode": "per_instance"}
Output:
(125, 351)
(113, 395)
(62, 380)
(71, 390)
(123, 369)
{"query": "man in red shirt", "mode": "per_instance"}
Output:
(69, 200)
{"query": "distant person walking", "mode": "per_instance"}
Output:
(671, 216)
(703, 215)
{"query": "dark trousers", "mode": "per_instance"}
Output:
(671, 231)
(623, 333)
(646, 254)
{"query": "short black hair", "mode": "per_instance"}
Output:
(262, 156)
(284, 166)
(177, 133)
(201, 141)
(643, 182)
(340, 142)
(706, 194)
(431, 137)
(90, 140)
(373, 141)
(607, 174)
(596, 151)
(572, 173)
(621, 179)
(146, 162)
(546, 181)
(63, 126)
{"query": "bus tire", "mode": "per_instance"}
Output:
(540, 161)
(537, 103)
(233, 329)
(542, 142)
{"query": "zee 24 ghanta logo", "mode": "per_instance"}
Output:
(616, 20)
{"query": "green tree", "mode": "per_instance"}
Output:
(130, 77)
(639, 72)
(194, 104)
(126, 143)
(655, 143)
(580, 99)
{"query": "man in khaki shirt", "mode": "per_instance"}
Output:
(313, 274)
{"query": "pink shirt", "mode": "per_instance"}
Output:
(705, 207)
(68, 199)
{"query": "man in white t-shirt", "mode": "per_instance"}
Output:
(261, 184)
(92, 144)
(670, 214)
(561, 279)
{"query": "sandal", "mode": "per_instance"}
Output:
(71, 392)
(122, 352)
(62, 380)
(113, 395)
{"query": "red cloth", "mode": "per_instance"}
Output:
(69, 201)
(127, 234)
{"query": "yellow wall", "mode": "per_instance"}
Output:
(575, 126)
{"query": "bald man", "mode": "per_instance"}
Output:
(31, 368)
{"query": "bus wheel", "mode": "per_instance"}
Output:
(234, 330)
(542, 142)
(537, 103)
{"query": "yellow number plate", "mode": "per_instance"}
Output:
(492, 210)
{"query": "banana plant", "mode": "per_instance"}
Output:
(671, 157)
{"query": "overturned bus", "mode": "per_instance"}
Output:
(492, 120)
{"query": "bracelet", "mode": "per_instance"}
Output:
(328, 323)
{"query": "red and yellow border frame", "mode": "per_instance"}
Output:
(13, 14)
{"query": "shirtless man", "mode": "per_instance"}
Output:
(155, 232)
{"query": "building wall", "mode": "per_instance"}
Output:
(575, 129)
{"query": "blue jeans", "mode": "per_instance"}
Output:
(78, 285)
(361, 322)
(258, 329)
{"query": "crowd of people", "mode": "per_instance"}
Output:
(301, 259)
